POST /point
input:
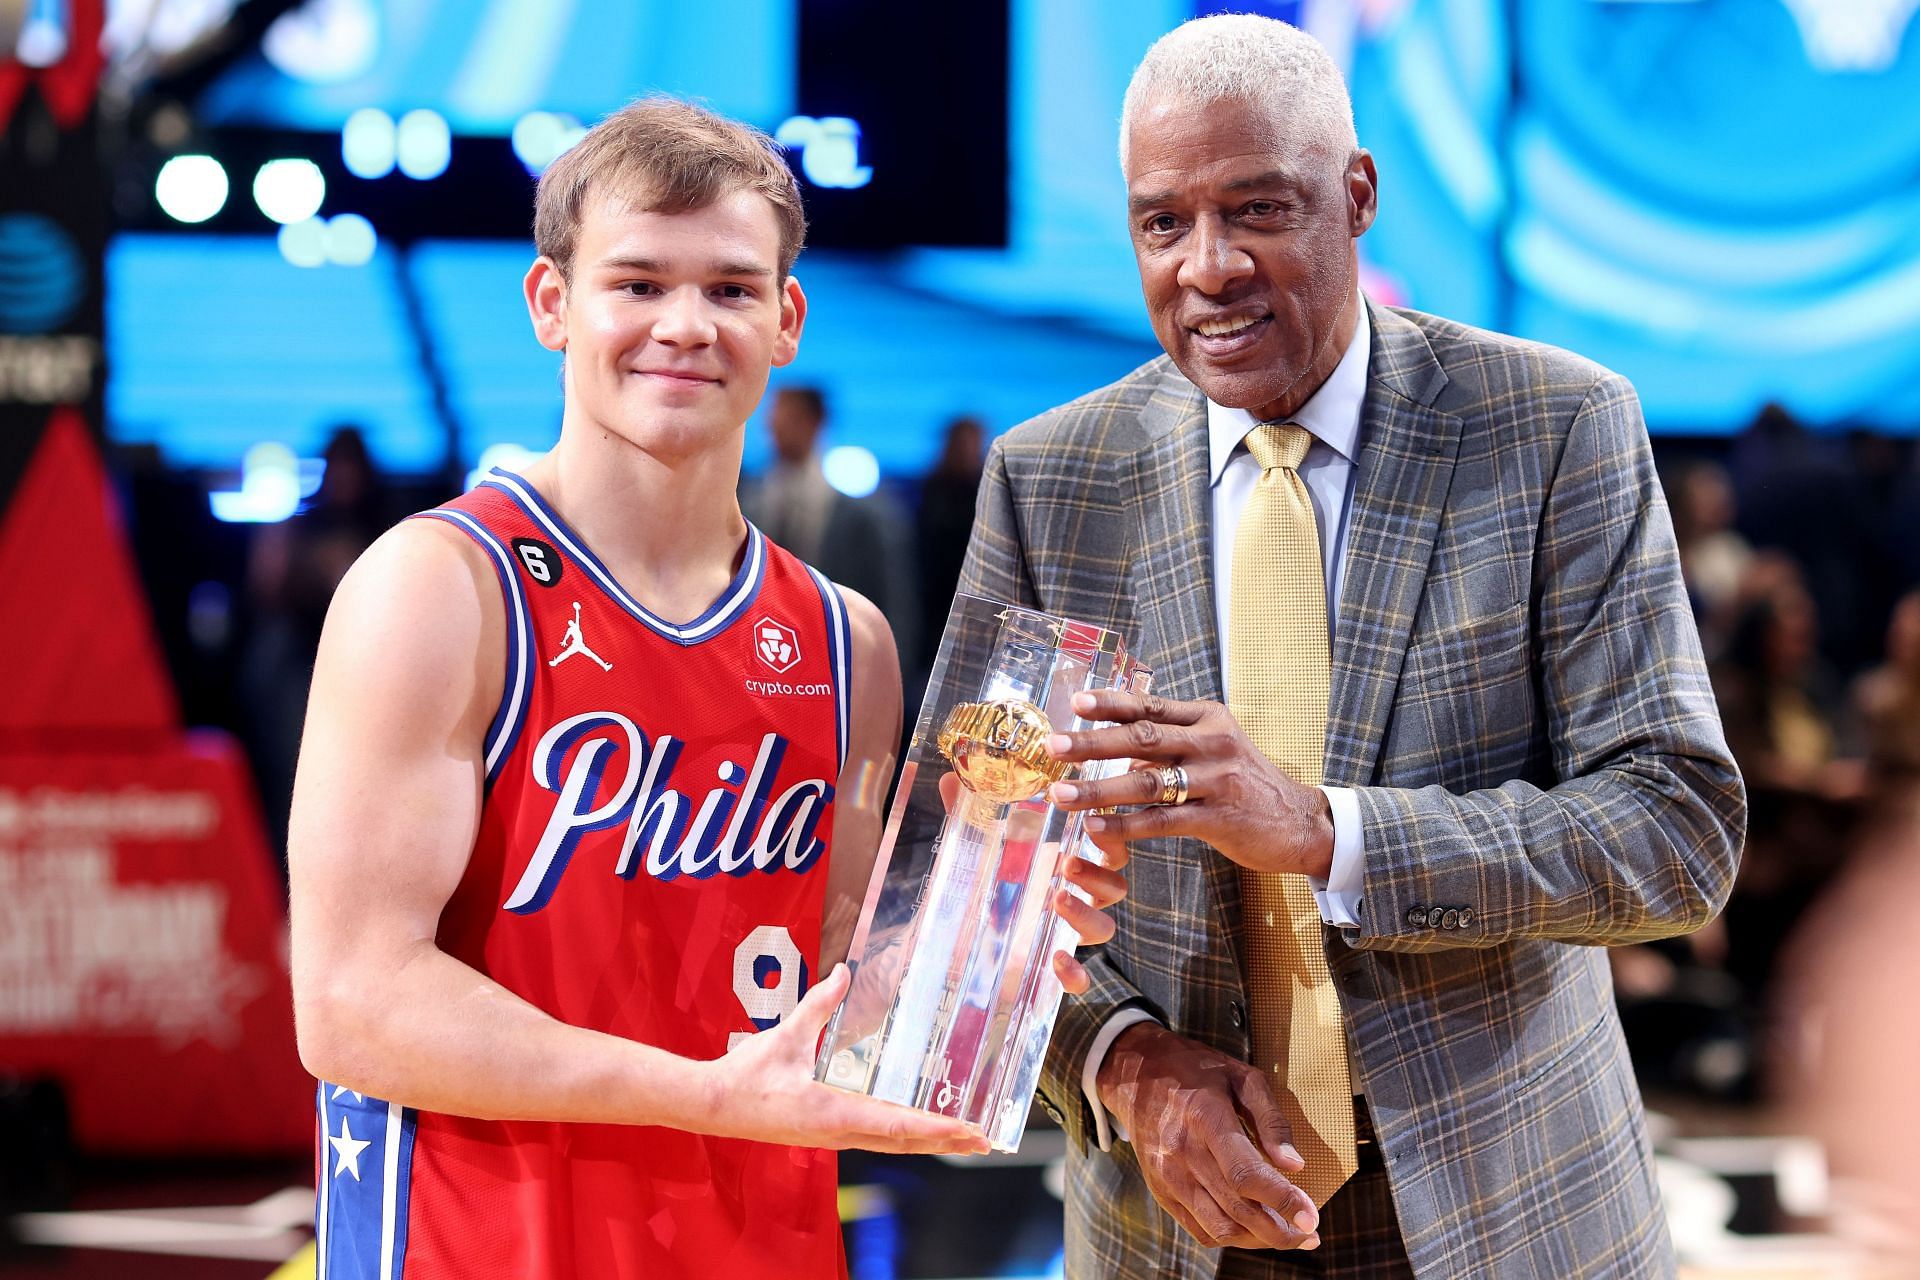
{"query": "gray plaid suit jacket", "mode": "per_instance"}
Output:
(1518, 693)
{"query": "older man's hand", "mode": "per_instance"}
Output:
(1238, 801)
(1210, 1140)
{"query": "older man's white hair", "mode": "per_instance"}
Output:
(1244, 58)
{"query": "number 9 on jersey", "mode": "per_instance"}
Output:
(769, 977)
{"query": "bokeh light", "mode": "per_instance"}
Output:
(289, 190)
(424, 144)
(191, 188)
(369, 143)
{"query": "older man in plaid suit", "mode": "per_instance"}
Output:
(1520, 756)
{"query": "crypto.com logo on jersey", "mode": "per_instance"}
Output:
(776, 644)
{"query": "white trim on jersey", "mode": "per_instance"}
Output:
(840, 652)
(520, 655)
(723, 612)
(390, 1191)
(360, 1225)
(320, 1240)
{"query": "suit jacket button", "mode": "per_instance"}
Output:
(1434, 916)
(1451, 920)
(1466, 917)
(1238, 1013)
(1416, 916)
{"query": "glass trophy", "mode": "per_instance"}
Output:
(954, 994)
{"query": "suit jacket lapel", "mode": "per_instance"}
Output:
(1400, 487)
(1166, 485)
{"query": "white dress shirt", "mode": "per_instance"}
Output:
(1333, 418)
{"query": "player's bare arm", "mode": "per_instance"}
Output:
(861, 795)
(386, 807)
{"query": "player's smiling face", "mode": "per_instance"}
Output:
(1243, 225)
(672, 321)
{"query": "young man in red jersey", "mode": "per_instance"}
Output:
(591, 787)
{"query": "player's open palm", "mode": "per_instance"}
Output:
(764, 1089)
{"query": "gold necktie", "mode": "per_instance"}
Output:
(1278, 673)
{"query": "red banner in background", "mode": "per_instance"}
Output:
(143, 953)
(78, 650)
(142, 929)
(69, 84)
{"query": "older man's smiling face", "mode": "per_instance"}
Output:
(1243, 223)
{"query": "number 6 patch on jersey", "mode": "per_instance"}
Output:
(769, 977)
(540, 560)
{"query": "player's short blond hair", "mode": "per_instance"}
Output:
(662, 154)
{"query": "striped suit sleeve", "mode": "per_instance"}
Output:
(1635, 829)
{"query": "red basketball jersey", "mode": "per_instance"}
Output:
(651, 862)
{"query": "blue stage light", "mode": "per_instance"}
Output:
(350, 240)
(541, 137)
(425, 144)
(323, 43)
(829, 150)
(304, 243)
(512, 457)
(269, 488)
(289, 190)
(368, 145)
(852, 470)
(44, 37)
(191, 188)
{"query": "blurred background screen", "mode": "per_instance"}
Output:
(1648, 183)
(484, 66)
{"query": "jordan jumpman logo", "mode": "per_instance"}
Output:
(574, 642)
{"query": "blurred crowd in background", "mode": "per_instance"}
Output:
(239, 608)
(1802, 557)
